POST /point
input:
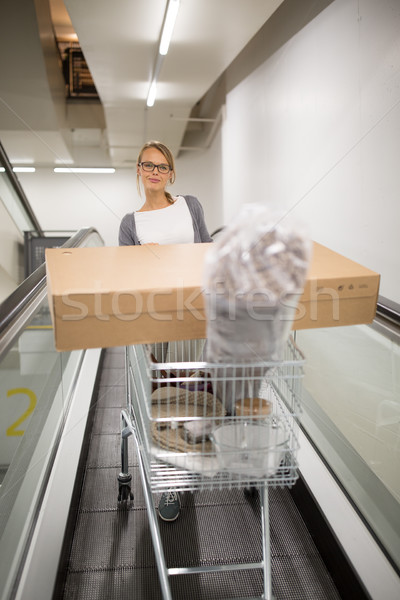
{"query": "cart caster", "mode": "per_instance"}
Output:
(124, 489)
(250, 491)
(124, 494)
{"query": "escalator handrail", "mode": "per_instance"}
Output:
(21, 297)
(18, 190)
(388, 310)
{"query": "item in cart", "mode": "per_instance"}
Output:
(166, 377)
(161, 375)
(253, 449)
(253, 407)
(254, 276)
(197, 431)
(172, 407)
(201, 382)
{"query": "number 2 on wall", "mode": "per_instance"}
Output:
(12, 430)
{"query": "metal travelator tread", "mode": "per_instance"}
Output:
(120, 542)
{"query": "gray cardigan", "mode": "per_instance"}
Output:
(127, 229)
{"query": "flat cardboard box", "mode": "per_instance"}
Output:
(115, 296)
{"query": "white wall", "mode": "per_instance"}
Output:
(200, 173)
(64, 201)
(315, 129)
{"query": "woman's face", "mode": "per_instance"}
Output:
(153, 180)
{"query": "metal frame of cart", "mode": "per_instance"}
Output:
(178, 405)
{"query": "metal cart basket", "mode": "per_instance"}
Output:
(200, 425)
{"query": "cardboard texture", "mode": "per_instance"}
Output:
(338, 292)
(114, 296)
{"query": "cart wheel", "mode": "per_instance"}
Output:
(251, 491)
(124, 488)
(124, 494)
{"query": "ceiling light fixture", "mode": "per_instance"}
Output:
(20, 169)
(24, 169)
(83, 170)
(166, 35)
(169, 24)
(152, 93)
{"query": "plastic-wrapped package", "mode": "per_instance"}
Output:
(254, 276)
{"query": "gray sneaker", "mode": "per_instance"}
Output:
(169, 506)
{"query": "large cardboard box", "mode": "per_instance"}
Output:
(114, 296)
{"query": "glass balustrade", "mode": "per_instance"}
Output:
(36, 388)
(352, 415)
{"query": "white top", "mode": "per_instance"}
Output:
(170, 225)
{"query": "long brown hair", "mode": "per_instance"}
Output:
(168, 157)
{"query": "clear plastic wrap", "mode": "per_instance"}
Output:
(254, 276)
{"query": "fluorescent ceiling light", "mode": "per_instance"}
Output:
(20, 169)
(169, 23)
(168, 27)
(152, 93)
(83, 170)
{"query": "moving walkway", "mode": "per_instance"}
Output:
(335, 534)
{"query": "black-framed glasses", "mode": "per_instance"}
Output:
(149, 166)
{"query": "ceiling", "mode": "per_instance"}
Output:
(120, 43)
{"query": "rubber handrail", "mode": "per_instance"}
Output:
(388, 309)
(18, 190)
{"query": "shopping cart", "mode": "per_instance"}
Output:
(200, 425)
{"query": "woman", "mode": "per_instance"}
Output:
(163, 219)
